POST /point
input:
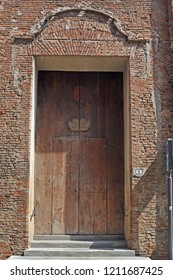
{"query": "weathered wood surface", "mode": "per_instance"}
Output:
(79, 185)
(93, 186)
(65, 186)
(43, 156)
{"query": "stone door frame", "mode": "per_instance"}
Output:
(78, 64)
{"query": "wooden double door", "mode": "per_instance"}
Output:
(79, 168)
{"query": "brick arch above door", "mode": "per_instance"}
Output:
(77, 31)
(99, 16)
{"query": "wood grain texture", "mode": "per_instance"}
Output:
(66, 104)
(79, 185)
(93, 186)
(65, 187)
(115, 153)
(43, 156)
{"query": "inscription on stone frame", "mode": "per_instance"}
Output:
(79, 125)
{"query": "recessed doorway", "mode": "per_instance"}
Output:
(79, 153)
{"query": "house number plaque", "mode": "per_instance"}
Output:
(79, 125)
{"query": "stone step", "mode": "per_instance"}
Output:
(75, 247)
(97, 244)
(77, 252)
(78, 258)
(89, 237)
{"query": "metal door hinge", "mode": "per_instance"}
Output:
(33, 211)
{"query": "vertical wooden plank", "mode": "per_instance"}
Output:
(65, 154)
(86, 217)
(101, 108)
(72, 186)
(92, 200)
(92, 106)
(59, 187)
(43, 193)
(92, 192)
(43, 154)
(114, 116)
(66, 102)
(65, 187)
(88, 97)
(100, 212)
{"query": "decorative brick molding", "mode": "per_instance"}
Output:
(79, 13)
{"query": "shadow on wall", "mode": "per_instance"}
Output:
(162, 73)
(150, 194)
(150, 213)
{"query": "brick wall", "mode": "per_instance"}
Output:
(137, 29)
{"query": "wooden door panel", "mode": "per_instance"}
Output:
(65, 187)
(66, 103)
(79, 174)
(43, 193)
(115, 220)
(100, 213)
(45, 96)
(43, 155)
(92, 105)
(88, 97)
(92, 190)
(111, 86)
(65, 154)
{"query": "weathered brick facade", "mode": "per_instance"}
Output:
(140, 31)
